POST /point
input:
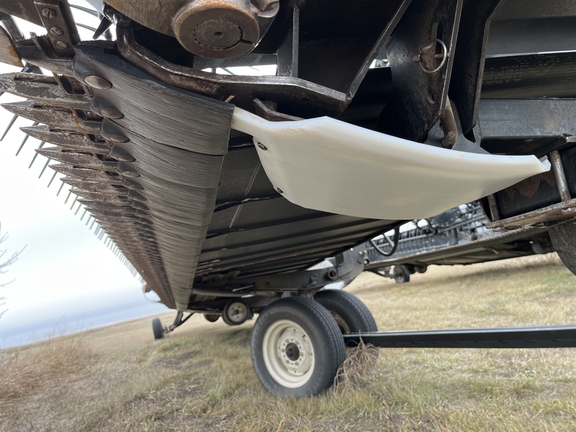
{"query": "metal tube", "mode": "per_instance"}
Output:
(560, 176)
(11, 27)
(448, 122)
(494, 213)
(36, 154)
(9, 126)
(510, 337)
(44, 169)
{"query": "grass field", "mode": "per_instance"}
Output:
(200, 377)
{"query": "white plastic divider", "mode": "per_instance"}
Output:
(328, 165)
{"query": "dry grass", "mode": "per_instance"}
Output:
(200, 377)
(357, 368)
(24, 374)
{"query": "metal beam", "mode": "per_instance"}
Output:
(505, 337)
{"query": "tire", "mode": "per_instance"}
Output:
(236, 312)
(211, 317)
(421, 268)
(351, 315)
(157, 328)
(401, 274)
(296, 347)
(563, 236)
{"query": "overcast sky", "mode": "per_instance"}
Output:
(66, 279)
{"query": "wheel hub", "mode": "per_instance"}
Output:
(238, 312)
(288, 354)
(294, 350)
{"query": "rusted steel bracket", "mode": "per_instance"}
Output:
(552, 213)
(57, 18)
(291, 94)
(566, 209)
(421, 77)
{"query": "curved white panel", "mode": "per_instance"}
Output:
(328, 165)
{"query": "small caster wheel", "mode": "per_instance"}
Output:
(157, 328)
(401, 274)
(421, 268)
(211, 317)
(236, 313)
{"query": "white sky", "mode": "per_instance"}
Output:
(65, 272)
(66, 276)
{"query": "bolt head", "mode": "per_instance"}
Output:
(57, 31)
(98, 82)
(116, 137)
(48, 13)
(123, 157)
(111, 113)
(63, 45)
(130, 174)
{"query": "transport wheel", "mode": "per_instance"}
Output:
(211, 317)
(421, 268)
(562, 236)
(351, 315)
(296, 347)
(157, 328)
(236, 313)
(401, 274)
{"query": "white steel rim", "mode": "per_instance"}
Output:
(288, 354)
(237, 312)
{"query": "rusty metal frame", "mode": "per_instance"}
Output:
(293, 94)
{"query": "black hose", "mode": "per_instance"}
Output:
(394, 247)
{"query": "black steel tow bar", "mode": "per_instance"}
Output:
(504, 337)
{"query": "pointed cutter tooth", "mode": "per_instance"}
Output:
(42, 88)
(106, 197)
(83, 160)
(68, 139)
(61, 117)
(95, 186)
(112, 209)
(87, 174)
